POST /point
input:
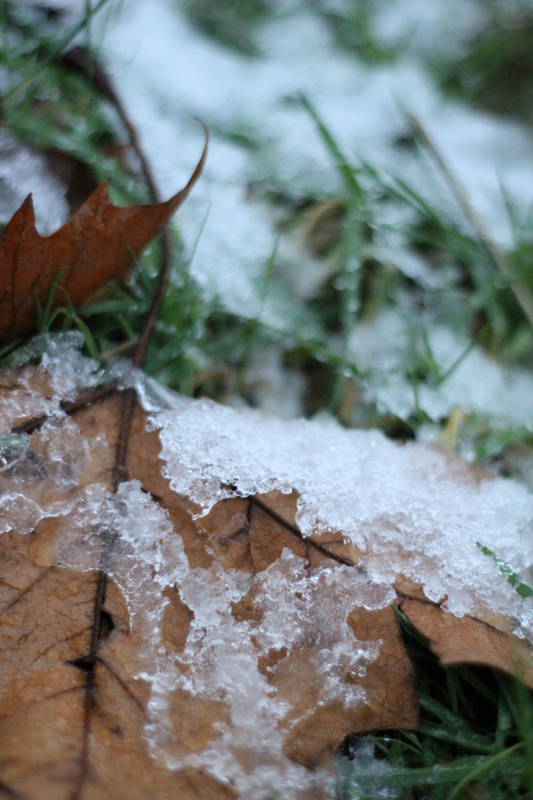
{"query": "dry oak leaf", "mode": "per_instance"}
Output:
(93, 247)
(191, 691)
(76, 729)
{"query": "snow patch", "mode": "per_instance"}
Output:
(409, 509)
(478, 384)
(252, 98)
(24, 171)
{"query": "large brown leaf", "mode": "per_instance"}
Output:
(75, 728)
(93, 247)
(51, 747)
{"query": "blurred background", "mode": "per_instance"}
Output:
(361, 242)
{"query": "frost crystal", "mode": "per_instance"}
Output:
(408, 509)
(362, 775)
(36, 389)
(222, 653)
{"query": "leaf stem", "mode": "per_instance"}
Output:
(522, 294)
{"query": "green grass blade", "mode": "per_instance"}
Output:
(344, 168)
(11, 95)
(90, 344)
(485, 768)
(505, 570)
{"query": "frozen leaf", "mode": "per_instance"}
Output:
(397, 510)
(233, 658)
(93, 247)
(235, 649)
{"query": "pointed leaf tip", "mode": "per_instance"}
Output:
(95, 244)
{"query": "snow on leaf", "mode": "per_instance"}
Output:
(236, 648)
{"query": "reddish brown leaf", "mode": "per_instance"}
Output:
(93, 247)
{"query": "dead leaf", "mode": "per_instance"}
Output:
(48, 747)
(468, 640)
(77, 727)
(93, 247)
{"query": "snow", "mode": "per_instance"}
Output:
(168, 73)
(383, 347)
(275, 389)
(24, 171)
(407, 509)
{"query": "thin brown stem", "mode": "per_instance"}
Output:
(88, 665)
(522, 294)
(119, 474)
(157, 302)
(129, 403)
